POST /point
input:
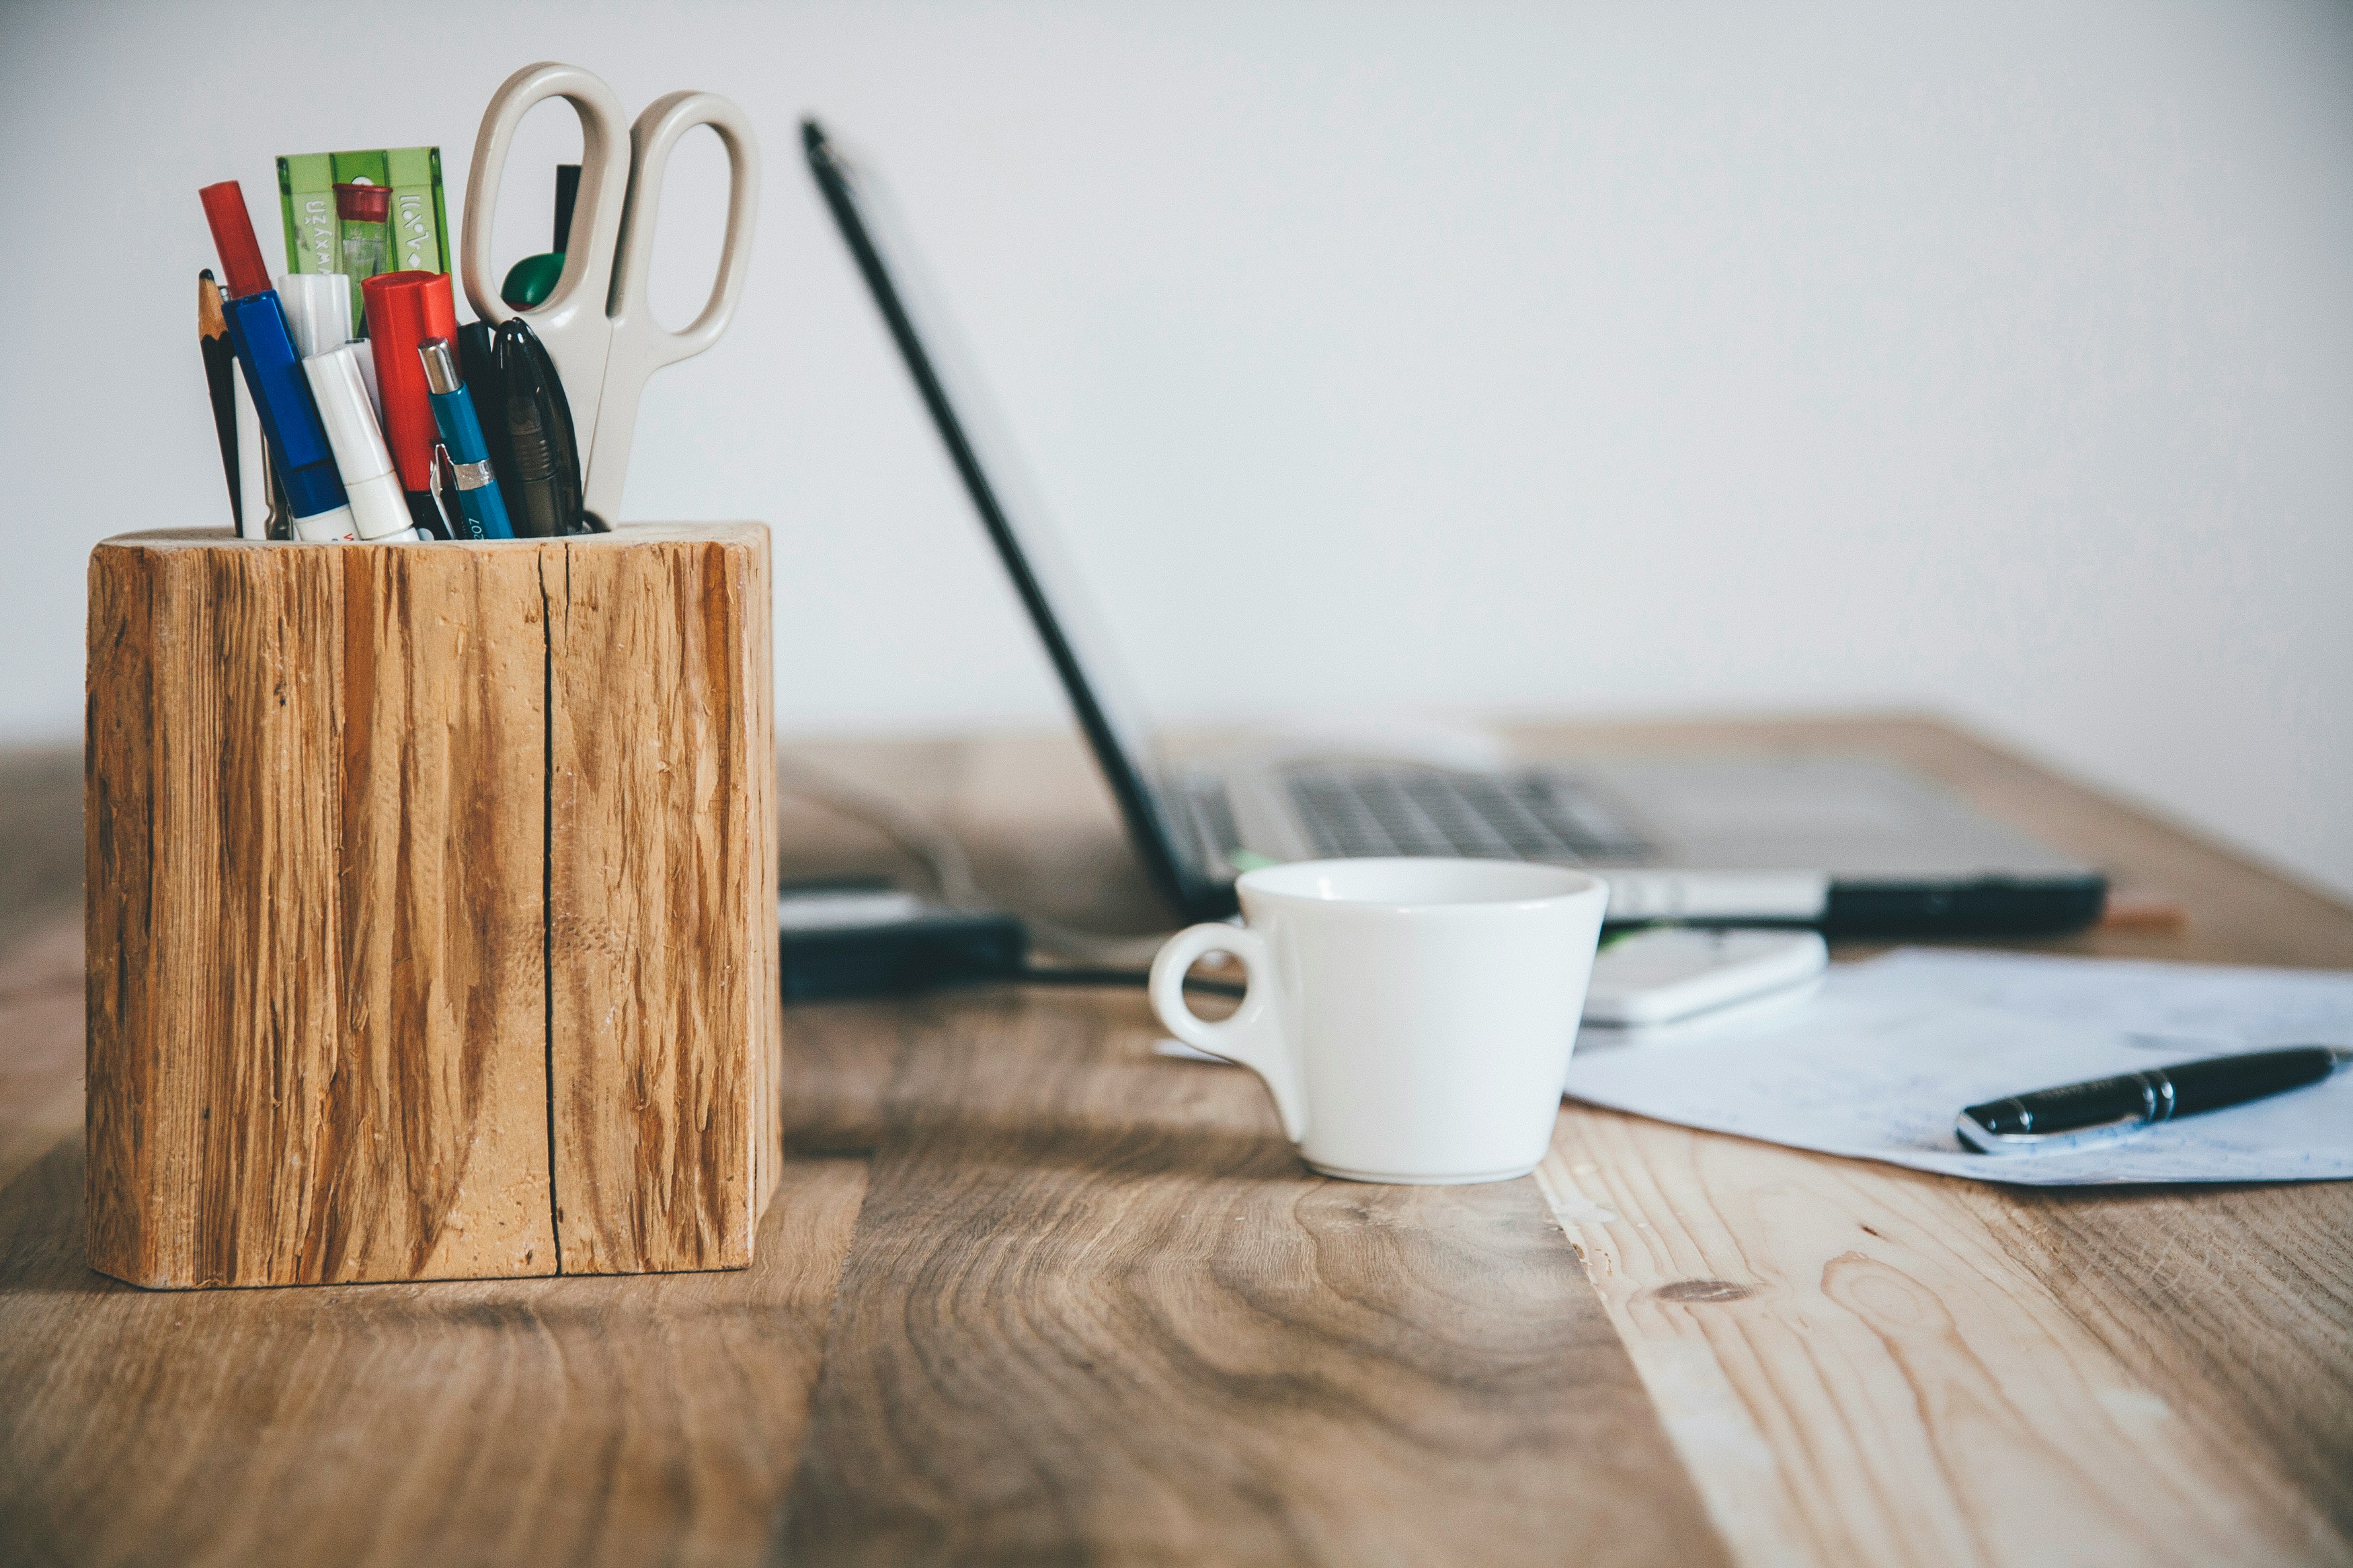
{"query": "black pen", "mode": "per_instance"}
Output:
(2078, 1115)
(538, 419)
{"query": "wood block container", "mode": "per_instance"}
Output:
(432, 924)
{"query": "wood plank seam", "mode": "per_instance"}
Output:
(547, 891)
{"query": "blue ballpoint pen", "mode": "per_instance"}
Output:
(484, 508)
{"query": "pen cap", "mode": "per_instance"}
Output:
(347, 414)
(282, 396)
(232, 226)
(332, 527)
(404, 309)
(317, 307)
(453, 410)
(379, 509)
(441, 377)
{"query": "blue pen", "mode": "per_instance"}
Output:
(290, 419)
(484, 508)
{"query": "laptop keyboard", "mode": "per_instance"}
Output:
(1359, 811)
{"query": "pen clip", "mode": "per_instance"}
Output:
(445, 492)
(1977, 1137)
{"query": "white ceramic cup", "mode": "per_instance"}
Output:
(1412, 1018)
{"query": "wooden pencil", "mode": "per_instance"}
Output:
(220, 379)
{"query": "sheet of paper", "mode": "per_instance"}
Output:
(1881, 1059)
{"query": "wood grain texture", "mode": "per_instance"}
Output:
(317, 1019)
(1097, 1311)
(663, 863)
(439, 1104)
(40, 838)
(1131, 1349)
(1859, 1369)
(1898, 1394)
(41, 1034)
(596, 1421)
(1870, 1365)
(2235, 1307)
(385, 843)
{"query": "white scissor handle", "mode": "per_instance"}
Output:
(596, 215)
(651, 141)
(639, 345)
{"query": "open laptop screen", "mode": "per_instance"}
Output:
(1115, 727)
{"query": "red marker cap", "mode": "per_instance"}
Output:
(404, 309)
(240, 252)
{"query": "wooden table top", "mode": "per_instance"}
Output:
(1029, 1293)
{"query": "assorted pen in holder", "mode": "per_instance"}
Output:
(516, 424)
(431, 890)
(382, 440)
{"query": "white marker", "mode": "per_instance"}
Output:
(379, 510)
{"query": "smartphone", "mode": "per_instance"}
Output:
(1665, 974)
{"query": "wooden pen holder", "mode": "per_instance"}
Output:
(432, 923)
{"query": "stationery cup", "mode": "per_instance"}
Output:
(1412, 1018)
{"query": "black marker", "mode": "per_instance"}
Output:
(2077, 1115)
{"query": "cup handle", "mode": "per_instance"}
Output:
(1254, 1036)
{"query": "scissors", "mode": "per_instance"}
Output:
(595, 323)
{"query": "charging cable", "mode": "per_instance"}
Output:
(950, 869)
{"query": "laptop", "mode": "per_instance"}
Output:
(1855, 845)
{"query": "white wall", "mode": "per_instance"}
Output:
(1992, 358)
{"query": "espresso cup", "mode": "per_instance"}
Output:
(1412, 1018)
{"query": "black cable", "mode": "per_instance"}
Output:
(1033, 975)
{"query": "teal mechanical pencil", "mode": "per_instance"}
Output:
(478, 501)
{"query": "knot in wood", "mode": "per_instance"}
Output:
(1691, 1290)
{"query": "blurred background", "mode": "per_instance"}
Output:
(1991, 360)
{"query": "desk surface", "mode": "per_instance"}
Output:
(1029, 1293)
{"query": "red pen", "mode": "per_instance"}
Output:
(405, 308)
